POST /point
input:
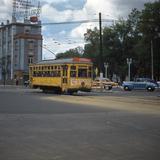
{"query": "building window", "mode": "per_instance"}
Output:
(15, 59)
(30, 59)
(31, 45)
(16, 45)
(27, 29)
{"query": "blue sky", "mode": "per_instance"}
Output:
(59, 38)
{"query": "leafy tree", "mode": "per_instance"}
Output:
(76, 52)
(91, 49)
(150, 28)
(129, 38)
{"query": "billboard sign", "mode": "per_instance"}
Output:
(26, 8)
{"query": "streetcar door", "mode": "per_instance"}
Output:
(64, 75)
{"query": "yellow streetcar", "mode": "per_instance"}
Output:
(62, 75)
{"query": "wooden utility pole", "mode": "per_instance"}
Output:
(100, 47)
(152, 66)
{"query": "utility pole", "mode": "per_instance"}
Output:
(100, 47)
(152, 69)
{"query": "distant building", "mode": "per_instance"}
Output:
(20, 45)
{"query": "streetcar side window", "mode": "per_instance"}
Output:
(82, 72)
(73, 71)
(46, 71)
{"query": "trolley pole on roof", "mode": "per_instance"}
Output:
(100, 47)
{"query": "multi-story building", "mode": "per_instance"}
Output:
(20, 45)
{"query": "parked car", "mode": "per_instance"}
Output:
(140, 83)
(103, 83)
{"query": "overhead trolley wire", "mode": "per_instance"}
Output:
(75, 22)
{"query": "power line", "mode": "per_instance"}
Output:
(80, 21)
(74, 22)
(49, 50)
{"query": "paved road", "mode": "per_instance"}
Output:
(110, 126)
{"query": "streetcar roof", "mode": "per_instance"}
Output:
(66, 61)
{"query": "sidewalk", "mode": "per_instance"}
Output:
(12, 86)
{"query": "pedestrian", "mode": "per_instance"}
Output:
(16, 82)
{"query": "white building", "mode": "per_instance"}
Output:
(20, 45)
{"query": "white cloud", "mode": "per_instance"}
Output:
(88, 11)
(62, 33)
(5, 10)
(104, 6)
(56, 1)
(79, 31)
(51, 14)
(7, 2)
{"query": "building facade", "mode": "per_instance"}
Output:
(20, 45)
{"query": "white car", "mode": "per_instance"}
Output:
(106, 83)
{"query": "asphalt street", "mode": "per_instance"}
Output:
(113, 125)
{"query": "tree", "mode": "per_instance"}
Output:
(129, 38)
(76, 52)
(150, 28)
(116, 44)
(91, 49)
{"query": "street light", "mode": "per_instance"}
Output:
(129, 61)
(106, 69)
